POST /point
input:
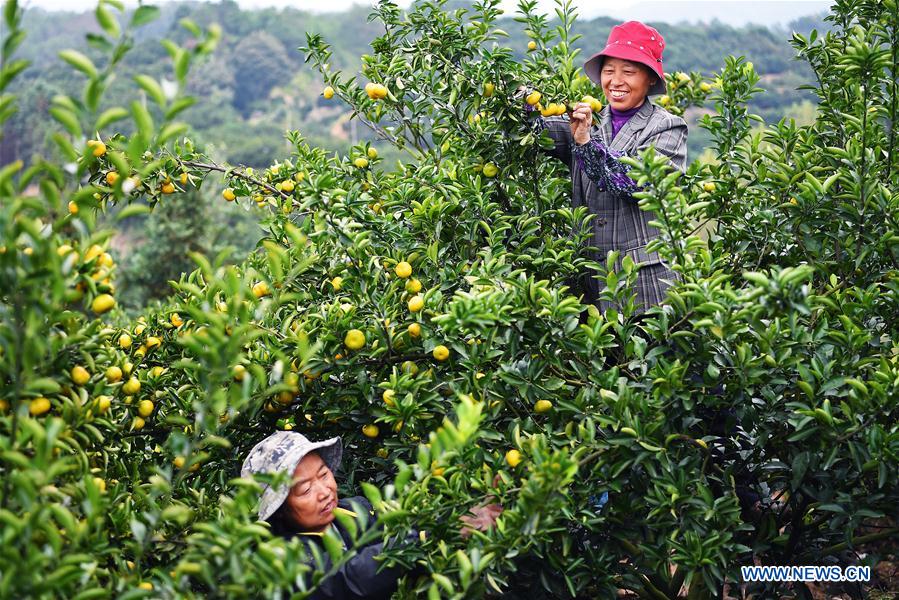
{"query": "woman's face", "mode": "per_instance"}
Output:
(625, 83)
(314, 495)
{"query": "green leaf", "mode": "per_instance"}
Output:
(143, 120)
(93, 92)
(132, 210)
(150, 85)
(182, 63)
(171, 130)
(67, 119)
(9, 13)
(332, 545)
(178, 105)
(144, 15)
(372, 493)
(79, 61)
(191, 26)
(110, 115)
(12, 69)
(108, 21)
(99, 42)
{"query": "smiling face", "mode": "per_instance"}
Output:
(625, 83)
(313, 497)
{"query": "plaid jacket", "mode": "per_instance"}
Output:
(619, 223)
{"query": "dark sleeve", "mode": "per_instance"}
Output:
(559, 129)
(671, 140)
(602, 165)
(359, 578)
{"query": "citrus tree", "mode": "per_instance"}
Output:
(430, 314)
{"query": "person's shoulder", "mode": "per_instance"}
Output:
(661, 120)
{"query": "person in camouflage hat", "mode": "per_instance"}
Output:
(307, 506)
(281, 452)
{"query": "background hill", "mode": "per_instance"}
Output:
(257, 85)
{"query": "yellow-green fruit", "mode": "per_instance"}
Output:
(414, 330)
(372, 153)
(382, 453)
(533, 98)
(145, 585)
(287, 185)
(513, 458)
(138, 423)
(102, 304)
(113, 374)
(416, 303)
(441, 352)
(178, 462)
(370, 431)
(488, 89)
(38, 406)
(238, 372)
(337, 283)
(542, 406)
(145, 408)
(683, 78)
(709, 186)
(705, 87)
(131, 387)
(354, 339)
(413, 286)
(409, 367)
(388, 396)
(361, 162)
(532, 45)
(99, 148)
(100, 483)
(112, 177)
(103, 404)
(328, 93)
(229, 195)
(490, 170)
(595, 105)
(260, 289)
(665, 100)
(403, 270)
(80, 375)
(153, 342)
(124, 341)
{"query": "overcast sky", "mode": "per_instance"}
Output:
(735, 12)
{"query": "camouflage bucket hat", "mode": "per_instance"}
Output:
(281, 452)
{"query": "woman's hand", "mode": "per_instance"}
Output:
(480, 518)
(581, 121)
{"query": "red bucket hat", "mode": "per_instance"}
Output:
(635, 42)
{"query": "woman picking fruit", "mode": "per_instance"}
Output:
(308, 508)
(629, 69)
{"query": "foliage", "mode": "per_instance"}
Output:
(773, 365)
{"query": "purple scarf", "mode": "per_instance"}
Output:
(620, 117)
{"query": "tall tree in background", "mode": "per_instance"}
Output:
(174, 230)
(259, 62)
